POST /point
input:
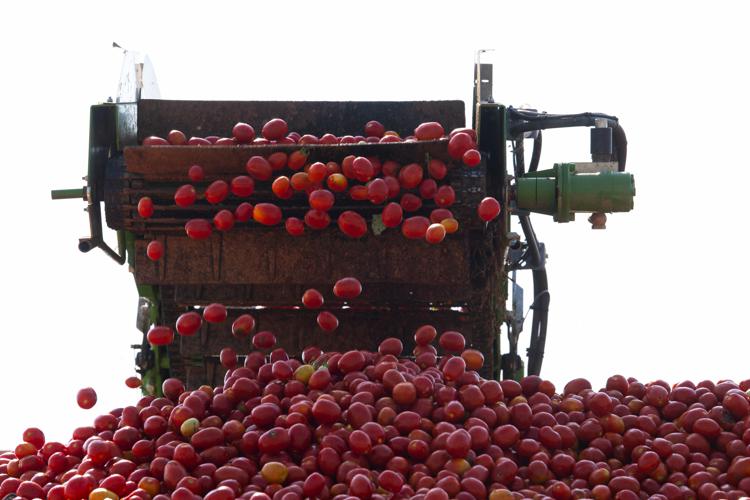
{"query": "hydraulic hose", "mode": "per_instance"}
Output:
(526, 121)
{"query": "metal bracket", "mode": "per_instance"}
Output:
(518, 257)
(595, 167)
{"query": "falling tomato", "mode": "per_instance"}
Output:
(86, 398)
(155, 250)
(215, 313)
(327, 321)
(488, 209)
(184, 196)
(198, 229)
(224, 220)
(347, 288)
(188, 323)
(145, 207)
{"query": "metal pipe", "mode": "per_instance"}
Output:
(68, 194)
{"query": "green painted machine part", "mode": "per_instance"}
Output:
(69, 194)
(563, 190)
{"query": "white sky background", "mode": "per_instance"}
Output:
(662, 293)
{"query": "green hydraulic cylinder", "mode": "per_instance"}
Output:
(564, 190)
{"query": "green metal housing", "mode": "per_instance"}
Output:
(562, 191)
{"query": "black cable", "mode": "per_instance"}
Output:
(536, 153)
(518, 157)
(539, 322)
(535, 115)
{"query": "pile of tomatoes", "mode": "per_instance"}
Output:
(382, 425)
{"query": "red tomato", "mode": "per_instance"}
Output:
(317, 172)
(243, 133)
(264, 340)
(410, 202)
(333, 168)
(242, 186)
(363, 169)
(308, 139)
(198, 229)
(459, 144)
(429, 131)
(394, 188)
(328, 139)
(224, 220)
(327, 321)
(390, 138)
(275, 129)
(215, 313)
(317, 219)
(470, 131)
(437, 169)
(321, 199)
(347, 167)
(217, 191)
(160, 335)
(352, 224)
(347, 288)
(176, 138)
(277, 160)
(184, 196)
(312, 299)
(488, 209)
(188, 323)
(374, 128)
(359, 193)
(445, 196)
(294, 226)
(267, 214)
(198, 141)
(155, 250)
(258, 168)
(337, 183)
(472, 158)
(133, 382)
(390, 168)
(410, 176)
(86, 398)
(297, 159)
(294, 136)
(282, 187)
(195, 173)
(243, 325)
(450, 224)
(392, 215)
(300, 181)
(243, 212)
(377, 191)
(435, 233)
(427, 189)
(440, 214)
(415, 228)
(145, 207)
(155, 141)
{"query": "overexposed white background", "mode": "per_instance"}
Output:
(662, 293)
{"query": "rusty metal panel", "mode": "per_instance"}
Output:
(204, 118)
(172, 162)
(270, 257)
